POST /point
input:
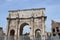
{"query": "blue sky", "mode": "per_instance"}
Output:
(52, 9)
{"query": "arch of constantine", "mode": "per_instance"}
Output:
(34, 17)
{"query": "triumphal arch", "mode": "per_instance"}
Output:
(34, 17)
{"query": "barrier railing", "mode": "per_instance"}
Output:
(25, 38)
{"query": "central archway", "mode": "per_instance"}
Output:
(24, 25)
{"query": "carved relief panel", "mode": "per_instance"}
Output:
(13, 14)
(37, 22)
(13, 23)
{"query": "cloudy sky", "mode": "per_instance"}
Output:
(52, 9)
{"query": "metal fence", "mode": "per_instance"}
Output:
(18, 38)
(26, 38)
(53, 38)
(2, 37)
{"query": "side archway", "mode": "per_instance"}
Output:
(12, 32)
(37, 33)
